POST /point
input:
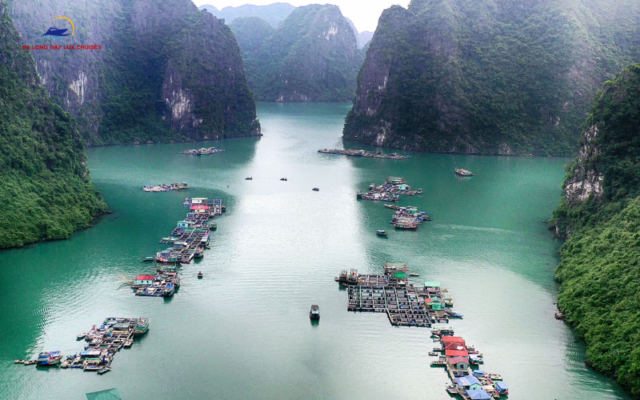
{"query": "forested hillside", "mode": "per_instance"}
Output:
(311, 56)
(600, 215)
(46, 191)
(166, 71)
(490, 77)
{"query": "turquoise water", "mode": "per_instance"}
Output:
(243, 331)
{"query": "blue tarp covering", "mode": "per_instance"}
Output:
(90, 353)
(467, 381)
(478, 394)
(478, 372)
(501, 386)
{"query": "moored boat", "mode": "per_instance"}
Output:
(81, 336)
(200, 275)
(142, 327)
(314, 313)
(316, 189)
(148, 259)
(382, 233)
(494, 377)
(104, 370)
(49, 358)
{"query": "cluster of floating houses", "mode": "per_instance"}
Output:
(101, 345)
(389, 191)
(363, 153)
(407, 305)
(408, 218)
(459, 360)
(165, 187)
(205, 151)
(189, 240)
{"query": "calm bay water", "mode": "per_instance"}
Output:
(243, 331)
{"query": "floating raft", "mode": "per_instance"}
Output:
(363, 153)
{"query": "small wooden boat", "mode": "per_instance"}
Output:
(433, 354)
(316, 189)
(494, 377)
(392, 207)
(148, 259)
(19, 361)
(104, 370)
(314, 313)
(30, 362)
(81, 336)
(413, 274)
(249, 178)
(200, 275)
(65, 364)
(382, 233)
(283, 179)
(438, 363)
(559, 315)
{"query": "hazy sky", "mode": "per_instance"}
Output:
(363, 13)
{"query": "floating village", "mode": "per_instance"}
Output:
(363, 153)
(188, 240)
(410, 306)
(101, 345)
(165, 187)
(392, 293)
(205, 151)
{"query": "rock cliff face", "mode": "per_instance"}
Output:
(166, 70)
(46, 191)
(489, 76)
(599, 215)
(312, 56)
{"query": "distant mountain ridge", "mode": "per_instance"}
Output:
(272, 13)
(312, 56)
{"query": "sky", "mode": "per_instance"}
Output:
(363, 13)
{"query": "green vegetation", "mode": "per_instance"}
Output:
(492, 77)
(46, 191)
(166, 71)
(312, 56)
(600, 268)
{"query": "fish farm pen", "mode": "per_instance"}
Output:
(408, 305)
(393, 294)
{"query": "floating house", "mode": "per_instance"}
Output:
(456, 353)
(395, 180)
(453, 343)
(469, 383)
(142, 280)
(502, 388)
(459, 363)
(436, 303)
(478, 394)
